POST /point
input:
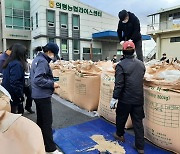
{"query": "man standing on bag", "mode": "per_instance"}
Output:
(129, 29)
(128, 95)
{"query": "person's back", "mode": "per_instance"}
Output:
(134, 71)
(128, 95)
(13, 75)
(13, 72)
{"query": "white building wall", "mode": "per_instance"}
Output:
(89, 24)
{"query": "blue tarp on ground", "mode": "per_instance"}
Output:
(77, 138)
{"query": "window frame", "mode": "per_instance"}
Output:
(66, 51)
(50, 23)
(175, 40)
(65, 25)
(76, 27)
(37, 24)
(88, 49)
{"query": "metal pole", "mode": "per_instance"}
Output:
(91, 50)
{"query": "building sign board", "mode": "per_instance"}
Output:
(72, 8)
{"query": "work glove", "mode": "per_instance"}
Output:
(122, 42)
(113, 103)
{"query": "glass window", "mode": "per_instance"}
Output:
(27, 14)
(86, 50)
(8, 12)
(36, 19)
(175, 39)
(96, 50)
(119, 52)
(26, 5)
(8, 20)
(76, 22)
(17, 13)
(18, 22)
(64, 46)
(50, 16)
(76, 46)
(8, 3)
(32, 23)
(18, 4)
(17, 27)
(64, 20)
(27, 22)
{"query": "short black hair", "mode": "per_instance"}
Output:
(123, 14)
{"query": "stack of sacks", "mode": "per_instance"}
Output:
(106, 92)
(164, 75)
(66, 83)
(87, 86)
(162, 105)
(4, 99)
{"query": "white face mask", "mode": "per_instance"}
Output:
(125, 21)
(52, 57)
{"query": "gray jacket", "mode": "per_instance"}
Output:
(129, 81)
(42, 82)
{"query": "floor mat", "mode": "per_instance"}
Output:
(76, 139)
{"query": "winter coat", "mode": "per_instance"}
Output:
(13, 81)
(129, 30)
(42, 81)
(3, 58)
(129, 76)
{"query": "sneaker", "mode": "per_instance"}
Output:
(120, 138)
(140, 151)
(55, 152)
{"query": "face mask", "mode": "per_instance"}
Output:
(125, 21)
(52, 57)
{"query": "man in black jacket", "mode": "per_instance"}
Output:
(129, 29)
(128, 95)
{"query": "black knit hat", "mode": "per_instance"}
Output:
(123, 14)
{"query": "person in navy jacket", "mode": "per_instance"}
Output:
(3, 58)
(43, 86)
(13, 75)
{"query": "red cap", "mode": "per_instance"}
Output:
(128, 44)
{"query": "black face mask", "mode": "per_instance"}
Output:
(128, 52)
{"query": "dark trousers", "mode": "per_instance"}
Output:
(27, 92)
(44, 121)
(137, 114)
(139, 51)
